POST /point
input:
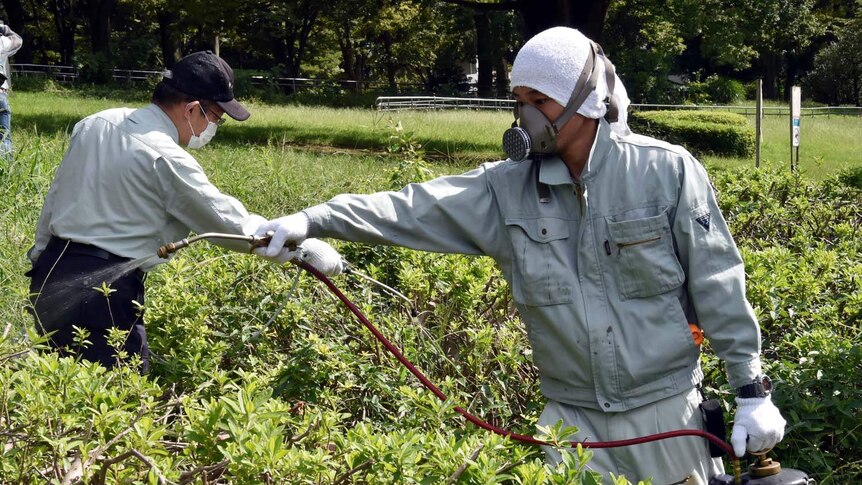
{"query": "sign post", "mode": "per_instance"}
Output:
(758, 122)
(795, 115)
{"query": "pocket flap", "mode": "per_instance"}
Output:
(637, 230)
(542, 229)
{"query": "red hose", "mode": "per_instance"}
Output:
(485, 425)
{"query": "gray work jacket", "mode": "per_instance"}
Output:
(126, 186)
(607, 270)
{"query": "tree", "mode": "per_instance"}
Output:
(351, 22)
(588, 16)
(67, 17)
(18, 18)
(837, 76)
(644, 40)
(99, 14)
(288, 26)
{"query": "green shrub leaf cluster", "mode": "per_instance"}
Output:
(255, 381)
(701, 132)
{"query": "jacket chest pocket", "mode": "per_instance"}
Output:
(644, 259)
(541, 270)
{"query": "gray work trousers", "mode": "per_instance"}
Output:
(681, 460)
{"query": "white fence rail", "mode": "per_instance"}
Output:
(397, 103)
(70, 73)
(288, 84)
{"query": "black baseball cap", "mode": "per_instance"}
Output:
(206, 76)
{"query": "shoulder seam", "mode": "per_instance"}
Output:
(136, 137)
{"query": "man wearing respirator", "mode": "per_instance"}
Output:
(612, 243)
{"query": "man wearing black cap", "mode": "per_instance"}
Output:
(125, 187)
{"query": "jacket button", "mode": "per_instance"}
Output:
(544, 231)
(607, 404)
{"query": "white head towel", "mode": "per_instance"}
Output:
(551, 63)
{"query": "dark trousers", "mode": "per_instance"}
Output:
(62, 294)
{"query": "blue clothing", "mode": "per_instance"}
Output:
(5, 127)
(10, 42)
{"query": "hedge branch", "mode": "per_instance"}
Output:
(106, 464)
(76, 471)
(454, 477)
(297, 438)
(349, 473)
(187, 477)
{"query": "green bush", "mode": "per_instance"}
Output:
(803, 259)
(851, 177)
(95, 68)
(715, 89)
(242, 394)
(718, 133)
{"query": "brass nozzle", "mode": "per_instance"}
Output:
(171, 248)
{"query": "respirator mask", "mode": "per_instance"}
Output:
(199, 141)
(537, 135)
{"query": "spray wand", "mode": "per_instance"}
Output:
(260, 241)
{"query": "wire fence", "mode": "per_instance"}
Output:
(399, 103)
(70, 74)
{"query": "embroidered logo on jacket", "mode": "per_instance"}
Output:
(704, 220)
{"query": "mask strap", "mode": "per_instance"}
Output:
(585, 85)
(613, 113)
(189, 121)
(543, 189)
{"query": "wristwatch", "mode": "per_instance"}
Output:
(761, 386)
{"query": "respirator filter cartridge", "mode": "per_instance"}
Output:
(516, 143)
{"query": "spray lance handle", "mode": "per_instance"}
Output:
(254, 241)
(263, 241)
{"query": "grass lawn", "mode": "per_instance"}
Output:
(463, 138)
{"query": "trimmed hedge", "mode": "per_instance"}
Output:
(715, 132)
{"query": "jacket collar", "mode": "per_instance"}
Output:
(554, 171)
(158, 119)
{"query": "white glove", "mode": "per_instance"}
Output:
(315, 252)
(758, 423)
(292, 228)
(322, 256)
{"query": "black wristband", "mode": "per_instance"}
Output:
(760, 387)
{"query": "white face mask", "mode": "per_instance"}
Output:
(198, 141)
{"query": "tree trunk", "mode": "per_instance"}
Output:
(485, 53)
(66, 23)
(17, 20)
(588, 16)
(309, 20)
(770, 76)
(391, 67)
(501, 68)
(501, 80)
(296, 33)
(348, 53)
(171, 52)
(99, 13)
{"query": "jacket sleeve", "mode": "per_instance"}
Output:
(10, 43)
(452, 214)
(199, 205)
(715, 275)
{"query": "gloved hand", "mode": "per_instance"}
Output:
(758, 423)
(322, 256)
(315, 252)
(292, 228)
